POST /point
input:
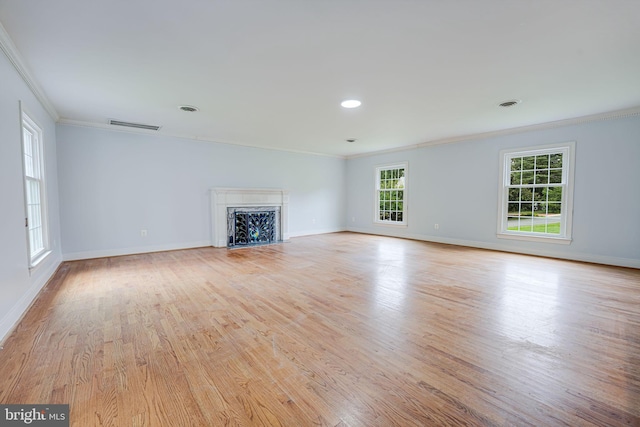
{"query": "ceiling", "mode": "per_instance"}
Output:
(272, 73)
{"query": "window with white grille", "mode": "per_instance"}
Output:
(391, 194)
(536, 193)
(34, 185)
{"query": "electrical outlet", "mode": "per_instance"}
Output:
(143, 233)
(436, 226)
(313, 220)
(353, 219)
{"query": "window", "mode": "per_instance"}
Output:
(391, 196)
(536, 193)
(36, 212)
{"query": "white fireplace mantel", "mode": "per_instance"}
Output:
(223, 198)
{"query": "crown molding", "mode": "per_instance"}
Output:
(387, 151)
(10, 50)
(12, 53)
(80, 123)
(611, 115)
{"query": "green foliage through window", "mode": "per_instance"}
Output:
(534, 191)
(390, 190)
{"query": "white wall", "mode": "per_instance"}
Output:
(18, 286)
(114, 184)
(456, 186)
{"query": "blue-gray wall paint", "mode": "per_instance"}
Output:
(115, 184)
(456, 186)
(18, 285)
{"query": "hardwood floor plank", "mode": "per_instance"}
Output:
(333, 330)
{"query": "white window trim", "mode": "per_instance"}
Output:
(34, 128)
(569, 150)
(376, 206)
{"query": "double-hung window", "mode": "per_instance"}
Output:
(34, 185)
(391, 194)
(536, 193)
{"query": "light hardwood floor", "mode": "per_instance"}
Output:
(339, 330)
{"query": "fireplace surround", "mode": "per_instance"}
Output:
(225, 202)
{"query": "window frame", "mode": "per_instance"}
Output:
(376, 215)
(566, 210)
(34, 174)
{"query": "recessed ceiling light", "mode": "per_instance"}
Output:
(351, 103)
(189, 108)
(350, 140)
(509, 103)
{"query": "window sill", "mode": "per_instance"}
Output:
(535, 238)
(38, 260)
(391, 224)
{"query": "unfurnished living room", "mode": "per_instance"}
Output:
(320, 213)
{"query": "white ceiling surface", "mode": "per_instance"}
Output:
(272, 73)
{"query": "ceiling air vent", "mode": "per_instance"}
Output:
(510, 103)
(133, 125)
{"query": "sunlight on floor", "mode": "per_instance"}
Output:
(391, 280)
(529, 303)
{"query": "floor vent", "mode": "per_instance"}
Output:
(133, 125)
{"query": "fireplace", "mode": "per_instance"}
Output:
(253, 226)
(249, 216)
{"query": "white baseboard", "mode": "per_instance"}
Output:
(74, 256)
(13, 317)
(593, 258)
(314, 232)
